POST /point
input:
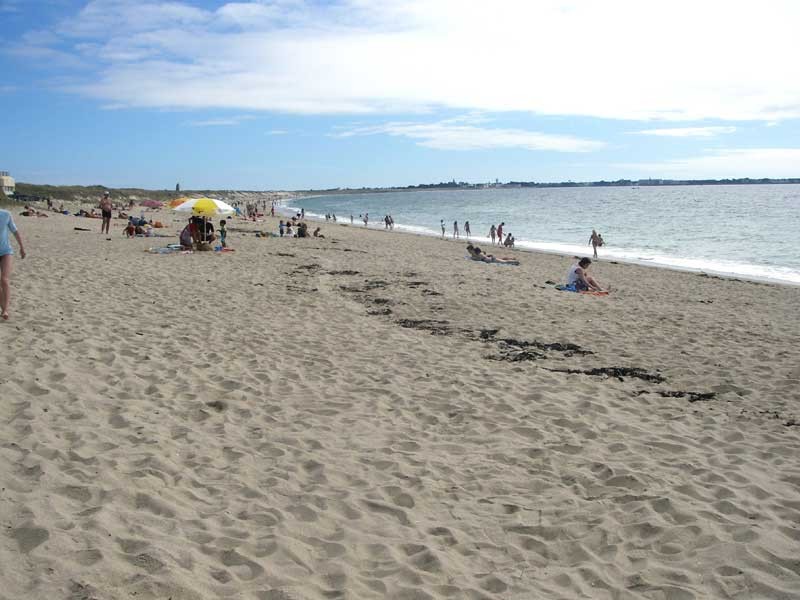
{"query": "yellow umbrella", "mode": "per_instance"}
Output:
(206, 207)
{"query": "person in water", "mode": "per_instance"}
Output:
(579, 278)
(595, 240)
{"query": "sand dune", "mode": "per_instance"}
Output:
(373, 416)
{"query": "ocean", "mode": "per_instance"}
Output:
(746, 231)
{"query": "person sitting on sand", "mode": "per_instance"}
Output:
(185, 238)
(579, 278)
(317, 234)
(207, 232)
(509, 243)
(130, 229)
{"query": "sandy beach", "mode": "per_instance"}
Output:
(372, 415)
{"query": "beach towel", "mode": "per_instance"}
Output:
(571, 288)
(508, 261)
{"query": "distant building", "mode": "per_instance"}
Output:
(7, 183)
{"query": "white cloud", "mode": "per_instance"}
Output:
(448, 135)
(622, 59)
(277, 132)
(222, 122)
(693, 132)
(728, 163)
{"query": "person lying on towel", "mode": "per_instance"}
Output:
(476, 253)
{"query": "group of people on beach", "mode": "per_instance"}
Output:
(456, 234)
(297, 228)
(199, 232)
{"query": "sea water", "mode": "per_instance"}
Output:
(748, 231)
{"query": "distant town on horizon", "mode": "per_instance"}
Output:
(456, 185)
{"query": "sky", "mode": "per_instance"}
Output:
(312, 94)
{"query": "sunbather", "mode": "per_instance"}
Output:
(476, 253)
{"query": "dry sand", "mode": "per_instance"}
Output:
(373, 416)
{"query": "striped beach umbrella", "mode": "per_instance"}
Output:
(177, 202)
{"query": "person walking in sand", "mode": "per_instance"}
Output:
(595, 240)
(500, 232)
(492, 233)
(466, 229)
(455, 230)
(6, 253)
(105, 210)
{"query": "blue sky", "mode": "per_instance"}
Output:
(296, 94)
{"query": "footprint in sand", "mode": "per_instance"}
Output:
(29, 536)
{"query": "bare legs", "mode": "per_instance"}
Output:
(104, 228)
(5, 276)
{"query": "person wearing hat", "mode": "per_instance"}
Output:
(579, 278)
(105, 209)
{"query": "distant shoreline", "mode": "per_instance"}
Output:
(89, 192)
(562, 184)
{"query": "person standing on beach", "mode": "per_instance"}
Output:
(105, 209)
(366, 219)
(441, 223)
(6, 252)
(466, 229)
(500, 232)
(223, 234)
(595, 240)
(492, 233)
(455, 230)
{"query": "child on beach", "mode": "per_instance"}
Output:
(223, 233)
(280, 228)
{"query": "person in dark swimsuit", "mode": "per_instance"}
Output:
(105, 209)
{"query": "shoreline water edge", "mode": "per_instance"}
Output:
(744, 271)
